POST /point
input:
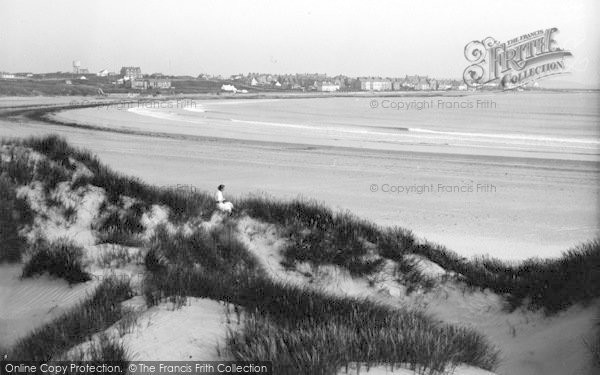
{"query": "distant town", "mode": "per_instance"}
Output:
(80, 80)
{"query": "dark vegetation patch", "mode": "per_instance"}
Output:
(121, 226)
(15, 213)
(60, 258)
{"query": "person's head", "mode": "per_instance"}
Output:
(221, 187)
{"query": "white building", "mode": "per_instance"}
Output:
(375, 84)
(327, 87)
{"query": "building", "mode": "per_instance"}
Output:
(149, 84)
(397, 85)
(433, 84)
(444, 85)
(410, 82)
(4, 75)
(131, 72)
(262, 79)
(422, 84)
(159, 83)
(341, 82)
(138, 84)
(375, 84)
(102, 73)
(327, 86)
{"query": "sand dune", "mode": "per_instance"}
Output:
(29, 303)
(530, 342)
(191, 332)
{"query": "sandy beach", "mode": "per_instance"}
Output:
(510, 188)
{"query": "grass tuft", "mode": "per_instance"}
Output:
(59, 258)
(122, 227)
(15, 213)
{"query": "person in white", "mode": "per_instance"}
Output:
(222, 204)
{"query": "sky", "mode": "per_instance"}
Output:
(355, 38)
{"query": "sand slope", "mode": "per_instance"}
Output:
(192, 332)
(28, 303)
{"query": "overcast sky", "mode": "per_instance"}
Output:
(387, 38)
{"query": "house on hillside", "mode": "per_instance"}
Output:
(149, 83)
(159, 83)
(131, 72)
(137, 84)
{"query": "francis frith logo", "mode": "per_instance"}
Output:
(518, 62)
